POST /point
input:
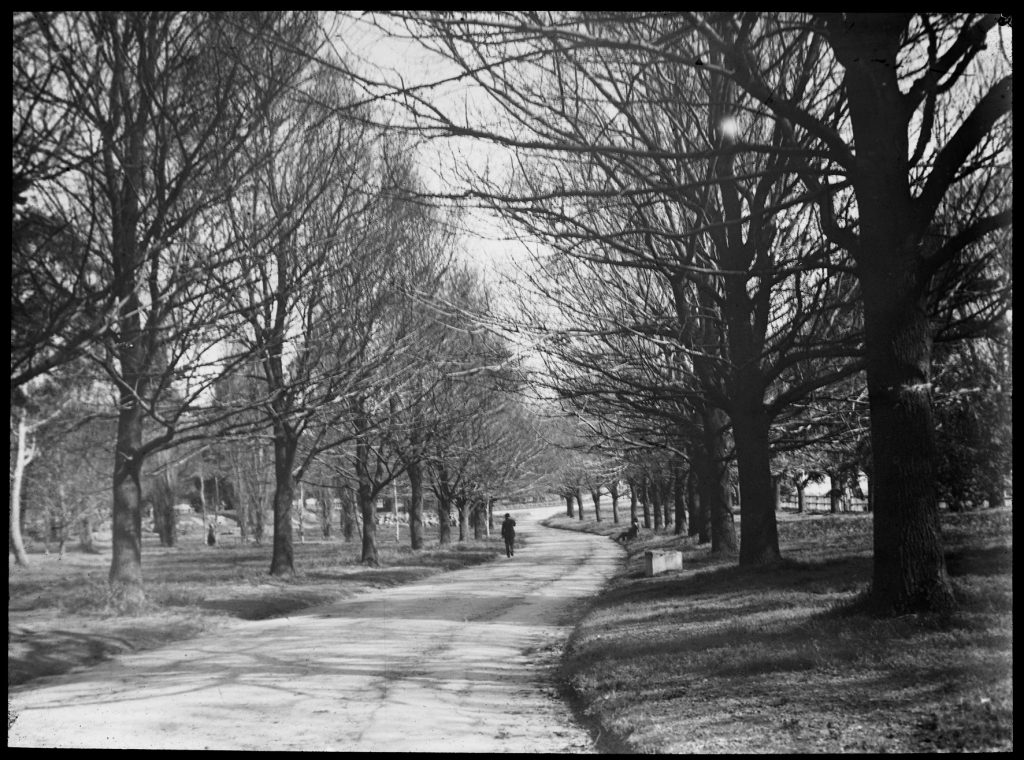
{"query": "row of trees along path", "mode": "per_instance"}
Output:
(211, 224)
(745, 210)
(759, 226)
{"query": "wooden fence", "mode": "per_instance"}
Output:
(503, 506)
(823, 503)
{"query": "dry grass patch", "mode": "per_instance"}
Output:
(723, 659)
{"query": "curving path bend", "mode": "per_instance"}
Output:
(460, 662)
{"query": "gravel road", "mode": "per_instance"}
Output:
(460, 662)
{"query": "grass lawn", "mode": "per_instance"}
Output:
(59, 616)
(721, 659)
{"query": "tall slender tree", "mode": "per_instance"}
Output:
(157, 126)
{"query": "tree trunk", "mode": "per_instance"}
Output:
(716, 488)
(22, 457)
(996, 496)
(909, 571)
(415, 474)
(777, 490)
(132, 350)
(463, 506)
(613, 491)
(282, 562)
(85, 534)
(394, 511)
(445, 499)
(444, 521)
(62, 510)
(327, 509)
(679, 499)
(357, 515)
(759, 543)
(171, 525)
(265, 503)
(202, 495)
(695, 511)
(217, 504)
(759, 535)
(163, 508)
(909, 567)
(834, 492)
(479, 517)
(243, 508)
(645, 501)
(47, 530)
(655, 491)
(126, 561)
(569, 510)
(632, 502)
(348, 507)
(800, 486)
(259, 516)
(579, 502)
(364, 497)
(595, 494)
(324, 510)
(244, 500)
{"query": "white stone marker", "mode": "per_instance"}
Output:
(657, 562)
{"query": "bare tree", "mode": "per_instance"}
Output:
(59, 299)
(312, 251)
(153, 98)
(24, 453)
(925, 110)
(420, 410)
(628, 166)
(900, 84)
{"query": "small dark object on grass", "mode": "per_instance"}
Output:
(629, 535)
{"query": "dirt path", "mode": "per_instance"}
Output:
(461, 662)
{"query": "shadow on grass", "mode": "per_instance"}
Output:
(266, 607)
(838, 575)
(378, 577)
(862, 667)
(782, 646)
(993, 560)
(35, 653)
(53, 652)
(727, 641)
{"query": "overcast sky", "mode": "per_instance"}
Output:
(406, 62)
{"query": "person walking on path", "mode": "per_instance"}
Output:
(508, 532)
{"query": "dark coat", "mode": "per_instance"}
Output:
(508, 528)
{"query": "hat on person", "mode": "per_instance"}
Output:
(507, 514)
